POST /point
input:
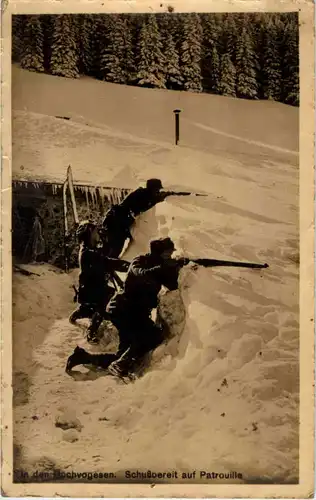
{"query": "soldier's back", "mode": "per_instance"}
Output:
(138, 201)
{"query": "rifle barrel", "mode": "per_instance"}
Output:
(215, 262)
(183, 193)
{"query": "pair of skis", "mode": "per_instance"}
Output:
(68, 185)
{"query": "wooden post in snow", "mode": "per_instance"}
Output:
(177, 120)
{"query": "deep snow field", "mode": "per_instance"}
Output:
(223, 394)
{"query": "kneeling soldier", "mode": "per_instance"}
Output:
(95, 272)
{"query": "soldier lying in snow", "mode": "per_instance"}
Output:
(95, 273)
(130, 310)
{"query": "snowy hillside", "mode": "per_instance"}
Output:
(226, 385)
(125, 133)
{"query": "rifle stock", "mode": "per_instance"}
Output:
(229, 263)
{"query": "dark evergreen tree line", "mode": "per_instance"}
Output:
(248, 55)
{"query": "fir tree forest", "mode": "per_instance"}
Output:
(244, 55)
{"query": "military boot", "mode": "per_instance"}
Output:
(78, 357)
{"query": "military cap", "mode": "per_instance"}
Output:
(154, 184)
(160, 245)
(84, 229)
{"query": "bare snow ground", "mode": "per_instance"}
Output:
(223, 394)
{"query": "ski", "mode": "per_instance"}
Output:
(72, 194)
(65, 185)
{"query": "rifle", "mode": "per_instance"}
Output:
(75, 299)
(116, 280)
(181, 193)
(215, 262)
(25, 272)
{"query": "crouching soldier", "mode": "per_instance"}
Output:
(95, 273)
(119, 219)
(130, 310)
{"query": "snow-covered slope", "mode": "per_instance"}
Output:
(127, 133)
(226, 385)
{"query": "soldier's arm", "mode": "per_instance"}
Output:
(169, 274)
(175, 263)
(168, 267)
(117, 264)
(162, 195)
(171, 282)
(138, 270)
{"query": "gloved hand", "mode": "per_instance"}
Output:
(176, 263)
(183, 261)
(125, 264)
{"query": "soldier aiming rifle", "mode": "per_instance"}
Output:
(117, 223)
(130, 309)
(120, 218)
(144, 198)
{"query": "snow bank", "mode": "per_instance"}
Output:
(224, 386)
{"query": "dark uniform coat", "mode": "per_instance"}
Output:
(141, 200)
(95, 272)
